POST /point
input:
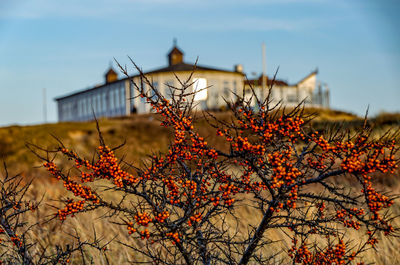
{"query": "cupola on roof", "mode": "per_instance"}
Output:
(175, 56)
(111, 75)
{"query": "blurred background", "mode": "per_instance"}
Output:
(66, 46)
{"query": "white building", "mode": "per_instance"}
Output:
(117, 97)
(307, 90)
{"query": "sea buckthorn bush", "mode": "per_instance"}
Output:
(17, 238)
(177, 203)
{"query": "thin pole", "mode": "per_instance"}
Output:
(44, 105)
(264, 72)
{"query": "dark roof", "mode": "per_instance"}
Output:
(172, 68)
(258, 82)
(111, 71)
(186, 67)
(88, 89)
(175, 50)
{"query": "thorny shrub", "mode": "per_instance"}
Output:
(178, 202)
(16, 243)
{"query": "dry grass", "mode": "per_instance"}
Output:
(55, 232)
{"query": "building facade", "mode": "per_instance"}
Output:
(118, 97)
(308, 91)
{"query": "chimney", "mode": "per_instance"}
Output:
(239, 68)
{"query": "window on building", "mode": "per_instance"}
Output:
(99, 107)
(132, 97)
(153, 93)
(200, 88)
(82, 104)
(213, 84)
(144, 87)
(74, 109)
(89, 105)
(235, 87)
(142, 84)
(291, 98)
(143, 99)
(87, 102)
(308, 100)
(226, 90)
(79, 112)
(63, 110)
(122, 95)
(111, 99)
(68, 110)
(168, 90)
(155, 85)
(94, 99)
(67, 114)
(116, 99)
(104, 101)
(132, 88)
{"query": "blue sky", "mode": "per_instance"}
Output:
(68, 45)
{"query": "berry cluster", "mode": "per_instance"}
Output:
(346, 217)
(194, 219)
(143, 219)
(70, 208)
(145, 234)
(332, 254)
(174, 236)
(161, 217)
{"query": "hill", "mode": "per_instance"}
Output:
(140, 134)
